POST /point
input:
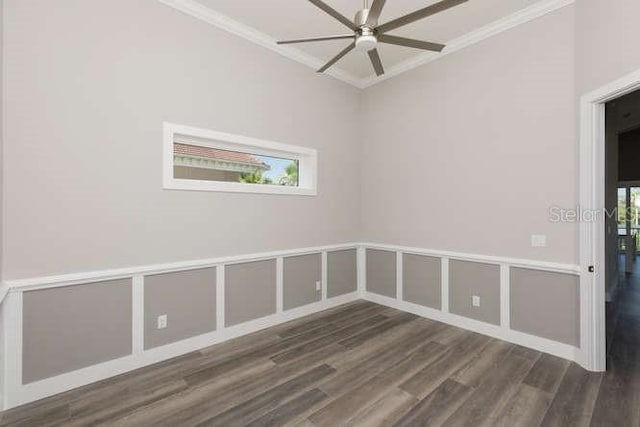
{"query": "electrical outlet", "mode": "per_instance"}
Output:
(318, 285)
(162, 321)
(538, 240)
(475, 301)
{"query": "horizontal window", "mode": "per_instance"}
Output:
(205, 160)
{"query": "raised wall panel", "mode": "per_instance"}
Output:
(468, 279)
(381, 272)
(188, 298)
(342, 272)
(421, 277)
(73, 327)
(546, 304)
(250, 291)
(300, 276)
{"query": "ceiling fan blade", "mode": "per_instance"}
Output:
(331, 11)
(374, 13)
(419, 14)
(318, 39)
(377, 63)
(337, 57)
(418, 44)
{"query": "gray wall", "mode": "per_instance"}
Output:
(467, 279)
(546, 304)
(603, 34)
(381, 272)
(84, 138)
(342, 272)
(188, 298)
(250, 291)
(299, 280)
(73, 327)
(483, 144)
(421, 280)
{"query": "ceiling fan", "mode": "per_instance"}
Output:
(367, 33)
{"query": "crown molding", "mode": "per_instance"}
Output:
(508, 22)
(210, 16)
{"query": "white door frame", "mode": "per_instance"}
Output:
(592, 242)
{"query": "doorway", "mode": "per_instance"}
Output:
(600, 232)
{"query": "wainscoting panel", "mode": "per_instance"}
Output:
(381, 272)
(342, 272)
(109, 317)
(187, 298)
(68, 328)
(301, 273)
(422, 280)
(546, 304)
(250, 291)
(468, 279)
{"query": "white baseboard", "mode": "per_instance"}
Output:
(564, 351)
(15, 393)
(68, 381)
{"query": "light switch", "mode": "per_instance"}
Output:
(538, 240)
(475, 301)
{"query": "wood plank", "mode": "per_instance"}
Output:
(429, 378)
(574, 401)
(480, 367)
(360, 370)
(344, 316)
(353, 400)
(361, 338)
(386, 410)
(331, 338)
(485, 403)
(36, 416)
(547, 373)
(83, 414)
(261, 404)
(223, 393)
(435, 408)
(291, 410)
(526, 408)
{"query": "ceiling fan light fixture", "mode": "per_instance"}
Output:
(366, 41)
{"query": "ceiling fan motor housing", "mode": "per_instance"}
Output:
(365, 36)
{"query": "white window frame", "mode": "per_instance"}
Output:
(307, 161)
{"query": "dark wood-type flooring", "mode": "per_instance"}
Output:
(362, 364)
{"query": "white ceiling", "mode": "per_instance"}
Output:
(290, 19)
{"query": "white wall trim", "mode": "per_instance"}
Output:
(210, 16)
(508, 22)
(505, 296)
(19, 394)
(564, 351)
(362, 269)
(120, 273)
(4, 289)
(279, 285)
(444, 284)
(592, 191)
(324, 275)
(206, 14)
(137, 301)
(399, 276)
(513, 262)
(15, 393)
